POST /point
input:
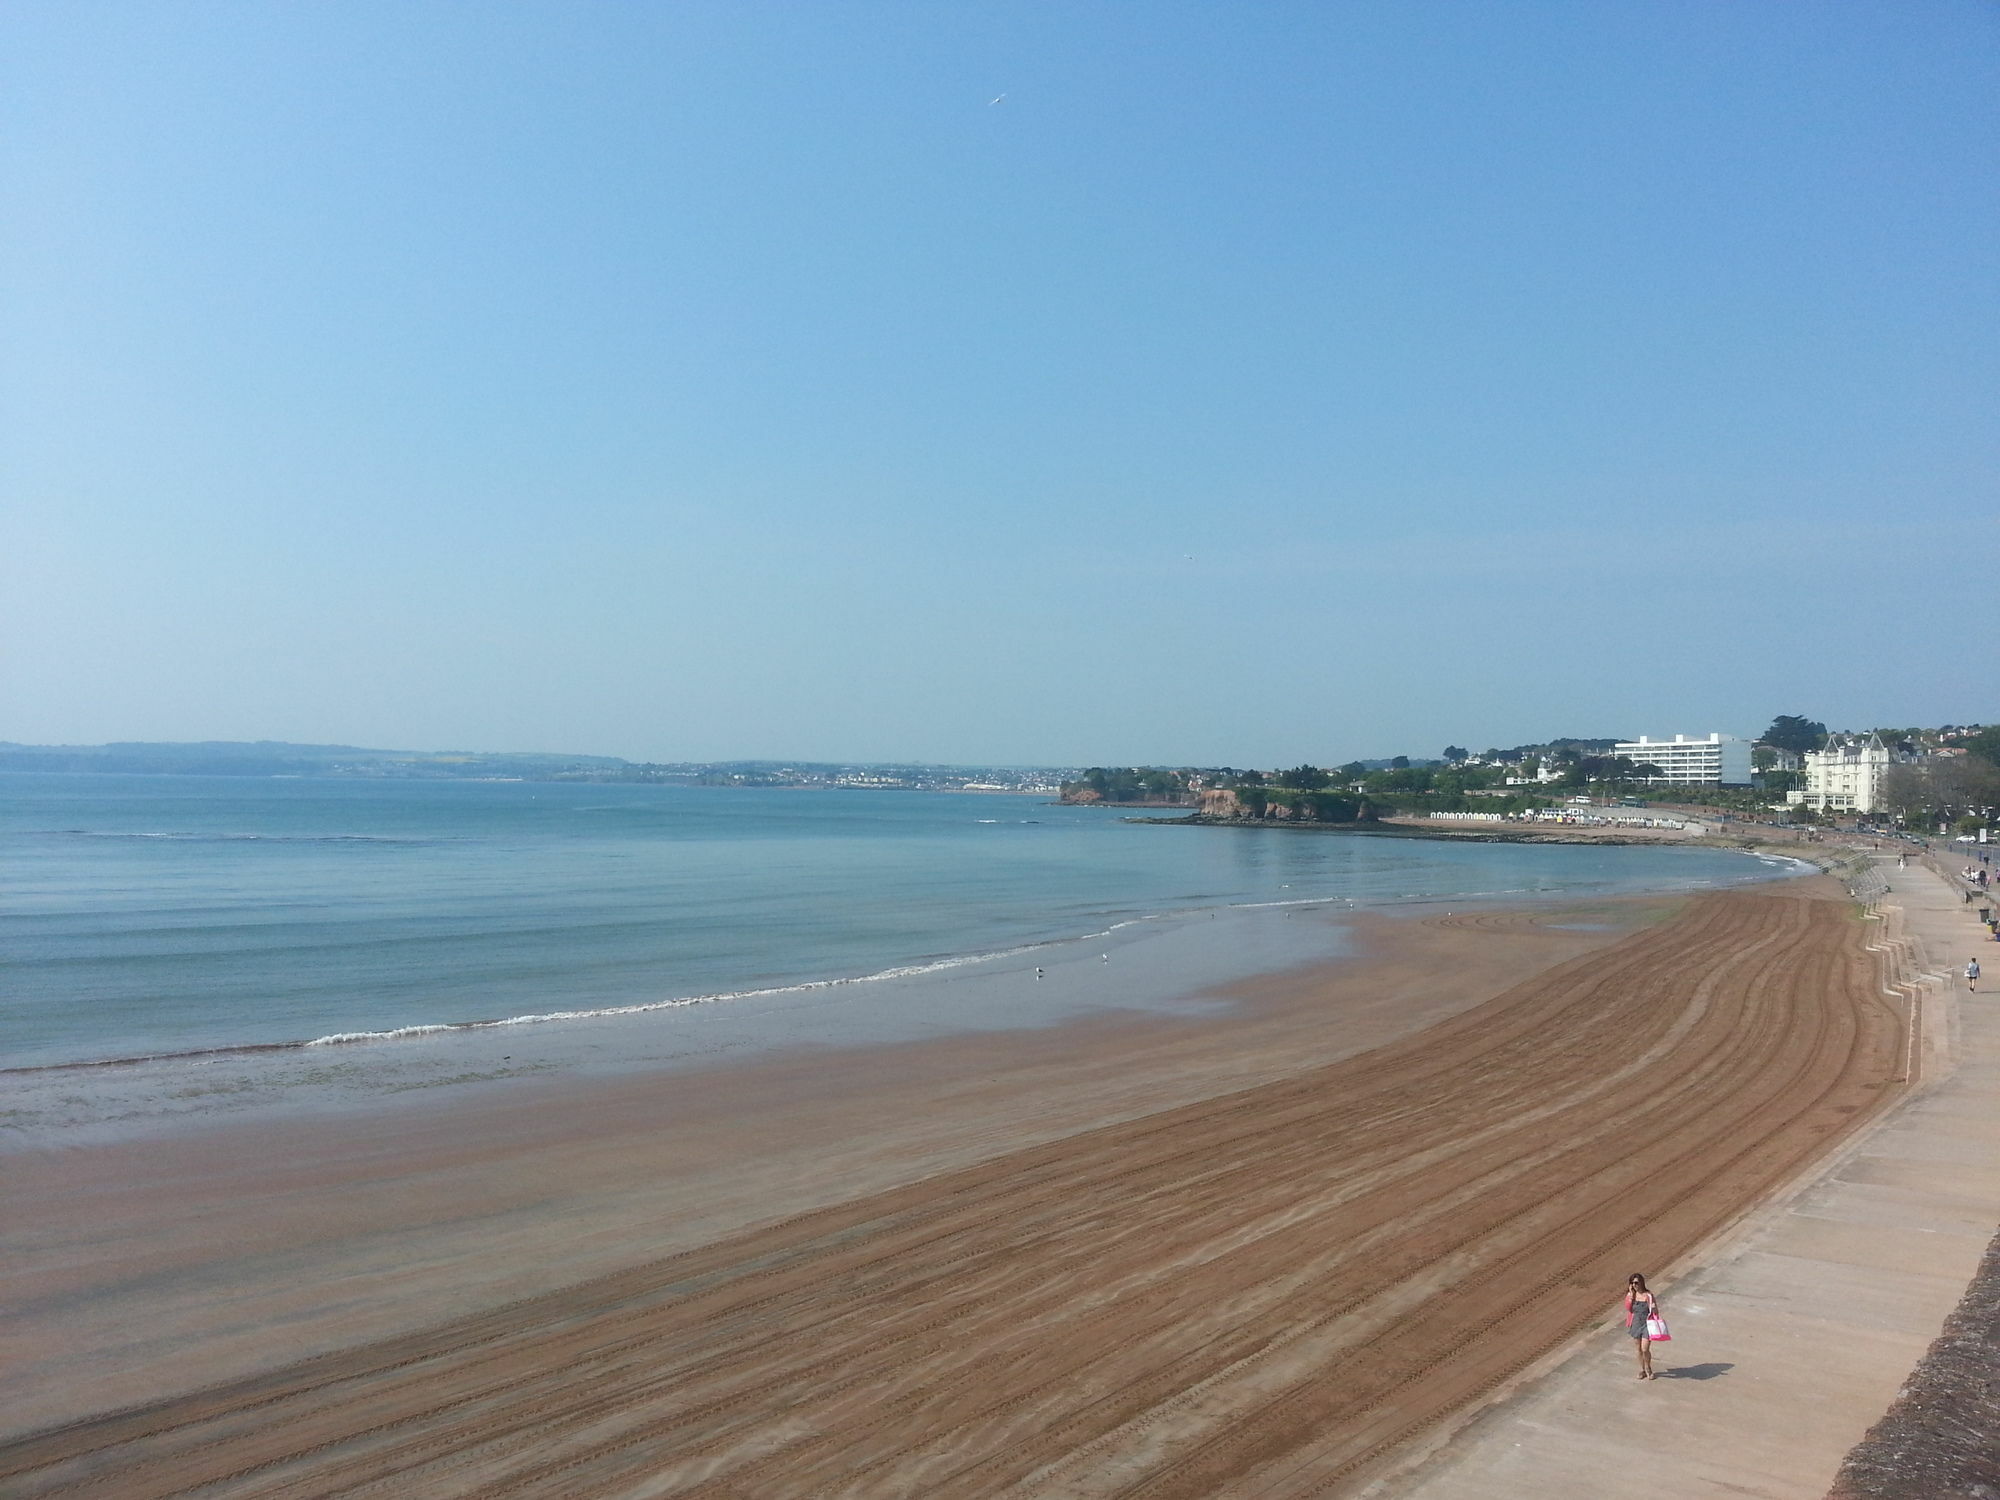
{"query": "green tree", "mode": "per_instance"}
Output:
(1952, 784)
(1905, 791)
(1455, 753)
(1790, 732)
(1404, 779)
(1304, 778)
(1985, 744)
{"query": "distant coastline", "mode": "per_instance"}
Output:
(279, 758)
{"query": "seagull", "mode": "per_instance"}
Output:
(995, 100)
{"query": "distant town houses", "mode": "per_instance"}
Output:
(1544, 773)
(1919, 775)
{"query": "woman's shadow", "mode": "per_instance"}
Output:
(1697, 1372)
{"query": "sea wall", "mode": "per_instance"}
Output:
(1083, 796)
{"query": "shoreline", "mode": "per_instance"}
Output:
(1244, 1178)
(970, 991)
(291, 918)
(350, 1224)
(1167, 964)
(441, 1028)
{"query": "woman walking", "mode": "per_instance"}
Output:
(1641, 1306)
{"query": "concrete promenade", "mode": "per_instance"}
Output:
(1794, 1330)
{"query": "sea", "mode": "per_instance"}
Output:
(177, 946)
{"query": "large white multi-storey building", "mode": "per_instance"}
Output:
(1712, 760)
(1846, 776)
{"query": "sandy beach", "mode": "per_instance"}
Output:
(1247, 1251)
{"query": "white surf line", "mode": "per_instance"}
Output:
(906, 971)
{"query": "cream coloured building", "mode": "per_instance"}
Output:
(1846, 776)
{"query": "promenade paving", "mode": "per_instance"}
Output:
(1794, 1331)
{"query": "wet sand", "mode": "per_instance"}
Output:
(1146, 1255)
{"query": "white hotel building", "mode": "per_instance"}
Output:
(1846, 776)
(1713, 760)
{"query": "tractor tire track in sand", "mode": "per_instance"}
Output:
(1259, 1294)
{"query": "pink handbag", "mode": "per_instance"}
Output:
(1656, 1331)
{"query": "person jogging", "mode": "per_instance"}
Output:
(1972, 975)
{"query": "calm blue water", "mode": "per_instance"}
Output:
(149, 914)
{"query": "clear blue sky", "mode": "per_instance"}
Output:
(1253, 383)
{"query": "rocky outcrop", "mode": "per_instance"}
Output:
(1281, 805)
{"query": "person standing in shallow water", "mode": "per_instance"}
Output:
(1640, 1305)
